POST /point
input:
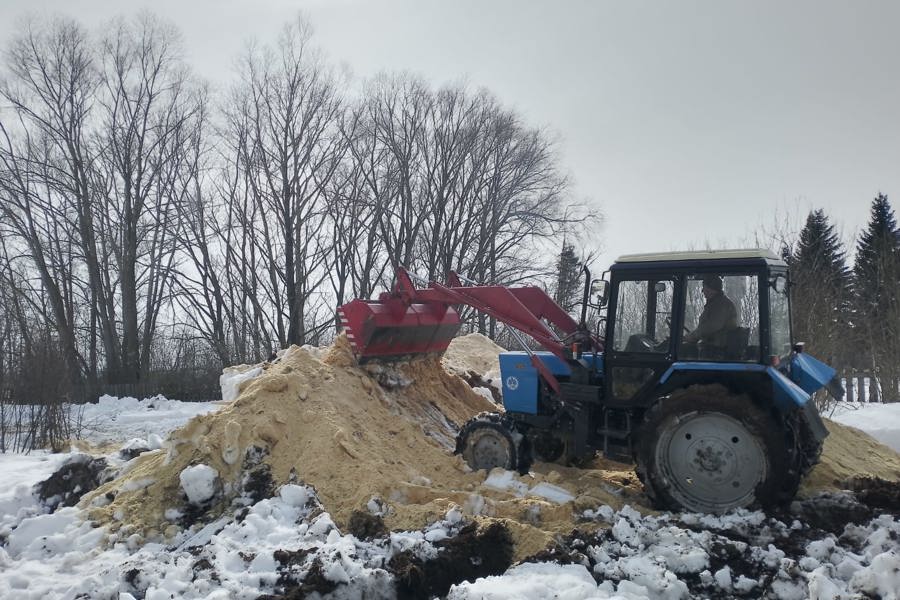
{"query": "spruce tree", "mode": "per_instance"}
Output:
(568, 275)
(877, 306)
(821, 289)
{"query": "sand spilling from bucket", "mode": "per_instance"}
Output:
(355, 433)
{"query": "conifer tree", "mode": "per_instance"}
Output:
(568, 274)
(821, 294)
(877, 305)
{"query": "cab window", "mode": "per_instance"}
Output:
(643, 316)
(721, 317)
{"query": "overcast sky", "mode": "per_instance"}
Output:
(686, 123)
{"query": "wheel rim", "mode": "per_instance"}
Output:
(711, 461)
(488, 448)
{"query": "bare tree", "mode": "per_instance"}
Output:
(283, 124)
(147, 114)
(46, 198)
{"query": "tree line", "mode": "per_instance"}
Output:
(153, 227)
(149, 223)
(849, 314)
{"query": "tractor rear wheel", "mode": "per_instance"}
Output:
(706, 450)
(487, 442)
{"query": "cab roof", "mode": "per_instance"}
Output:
(700, 258)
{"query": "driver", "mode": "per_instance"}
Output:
(718, 317)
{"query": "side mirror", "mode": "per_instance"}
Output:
(779, 283)
(600, 289)
(660, 287)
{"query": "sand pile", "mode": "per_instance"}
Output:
(850, 453)
(473, 353)
(353, 433)
(380, 439)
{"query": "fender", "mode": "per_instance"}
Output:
(807, 375)
(812, 375)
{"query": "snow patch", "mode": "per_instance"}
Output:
(199, 483)
(232, 377)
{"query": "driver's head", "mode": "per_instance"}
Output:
(712, 283)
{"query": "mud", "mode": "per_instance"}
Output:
(257, 482)
(203, 569)
(291, 586)
(72, 481)
(366, 526)
(133, 451)
(831, 511)
(471, 554)
(877, 493)
(863, 498)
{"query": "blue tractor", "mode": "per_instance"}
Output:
(713, 406)
(686, 366)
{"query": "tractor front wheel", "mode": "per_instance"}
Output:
(489, 441)
(705, 450)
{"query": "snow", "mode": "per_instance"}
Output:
(232, 377)
(881, 421)
(48, 554)
(199, 483)
(19, 473)
(551, 492)
(114, 419)
(295, 495)
(532, 581)
(484, 393)
(60, 555)
(507, 481)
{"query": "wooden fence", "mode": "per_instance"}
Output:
(861, 387)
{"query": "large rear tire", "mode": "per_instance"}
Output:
(705, 450)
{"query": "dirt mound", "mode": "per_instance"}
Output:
(353, 433)
(379, 440)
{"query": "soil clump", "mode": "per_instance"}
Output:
(470, 554)
(73, 480)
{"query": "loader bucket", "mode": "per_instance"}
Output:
(392, 329)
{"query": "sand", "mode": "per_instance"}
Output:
(356, 433)
(849, 453)
(473, 353)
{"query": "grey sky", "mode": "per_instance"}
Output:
(686, 122)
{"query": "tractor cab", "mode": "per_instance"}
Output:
(694, 310)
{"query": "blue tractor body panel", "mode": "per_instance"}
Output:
(711, 366)
(810, 373)
(520, 378)
(807, 376)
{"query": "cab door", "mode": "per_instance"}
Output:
(639, 341)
